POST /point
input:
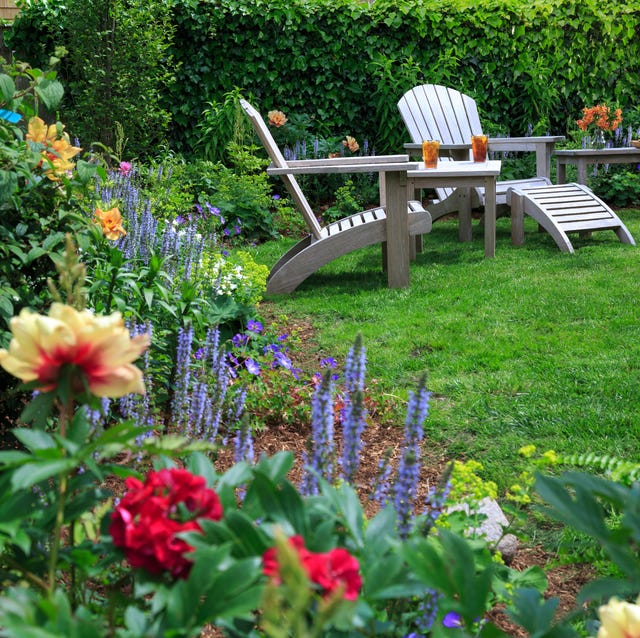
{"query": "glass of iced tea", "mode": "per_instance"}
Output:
(430, 152)
(479, 147)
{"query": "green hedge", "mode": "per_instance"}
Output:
(347, 62)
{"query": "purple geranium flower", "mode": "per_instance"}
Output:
(252, 367)
(254, 326)
(452, 620)
(281, 359)
(238, 340)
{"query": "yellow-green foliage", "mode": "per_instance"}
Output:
(236, 275)
(520, 493)
(467, 486)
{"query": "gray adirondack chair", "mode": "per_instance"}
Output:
(431, 111)
(435, 112)
(323, 244)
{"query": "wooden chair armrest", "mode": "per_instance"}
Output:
(542, 146)
(360, 164)
(523, 143)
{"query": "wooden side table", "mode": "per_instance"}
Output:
(584, 157)
(464, 175)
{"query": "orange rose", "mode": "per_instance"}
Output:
(277, 118)
(111, 222)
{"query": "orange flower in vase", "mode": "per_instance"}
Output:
(596, 121)
(111, 222)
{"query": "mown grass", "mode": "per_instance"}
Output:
(534, 346)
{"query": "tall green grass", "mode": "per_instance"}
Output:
(534, 346)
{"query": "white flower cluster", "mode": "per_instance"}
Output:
(227, 277)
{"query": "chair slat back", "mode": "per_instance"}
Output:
(435, 112)
(278, 160)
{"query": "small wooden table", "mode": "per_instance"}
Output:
(542, 146)
(464, 175)
(583, 157)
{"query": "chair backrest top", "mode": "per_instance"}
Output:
(435, 112)
(278, 160)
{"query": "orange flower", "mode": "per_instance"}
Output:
(57, 149)
(100, 348)
(111, 222)
(601, 116)
(351, 144)
(277, 118)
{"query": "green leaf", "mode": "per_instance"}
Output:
(148, 296)
(533, 612)
(8, 185)
(249, 540)
(200, 464)
(579, 508)
(85, 170)
(34, 439)
(7, 88)
(34, 253)
(32, 473)
(379, 531)
(50, 92)
(38, 410)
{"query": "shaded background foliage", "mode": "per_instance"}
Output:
(530, 66)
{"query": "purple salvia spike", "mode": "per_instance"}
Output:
(408, 473)
(354, 414)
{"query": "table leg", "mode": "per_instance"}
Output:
(465, 231)
(490, 217)
(397, 229)
(582, 170)
(561, 172)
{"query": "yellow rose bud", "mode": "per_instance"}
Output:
(620, 619)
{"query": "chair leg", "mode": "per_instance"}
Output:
(517, 219)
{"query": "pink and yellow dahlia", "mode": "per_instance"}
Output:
(100, 348)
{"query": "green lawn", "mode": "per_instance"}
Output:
(534, 346)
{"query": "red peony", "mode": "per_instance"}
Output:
(330, 571)
(150, 515)
(337, 568)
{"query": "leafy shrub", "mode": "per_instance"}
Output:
(116, 68)
(39, 202)
(618, 186)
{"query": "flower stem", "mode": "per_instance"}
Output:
(66, 413)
